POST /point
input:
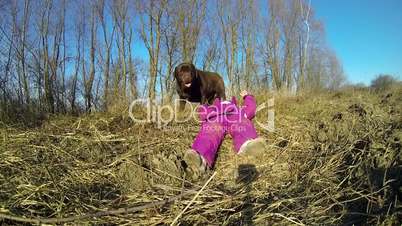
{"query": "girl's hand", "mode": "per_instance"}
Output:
(243, 93)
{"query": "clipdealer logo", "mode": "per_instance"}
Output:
(162, 115)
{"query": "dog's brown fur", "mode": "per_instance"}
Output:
(205, 86)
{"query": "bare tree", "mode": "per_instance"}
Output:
(212, 53)
(272, 50)
(336, 76)
(303, 43)
(248, 42)
(170, 52)
(57, 58)
(21, 32)
(191, 14)
(44, 24)
(131, 68)
(108, 40)
(120, 15)
(229, 20)
(89, 81)
(151, 17)
(288, 22)
(74, 80)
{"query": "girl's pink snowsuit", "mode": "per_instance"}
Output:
(224, 117)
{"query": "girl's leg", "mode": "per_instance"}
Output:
(241, 131)
(208, 141)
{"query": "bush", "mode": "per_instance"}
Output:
(383, 82)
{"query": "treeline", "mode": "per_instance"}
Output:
(72, 56)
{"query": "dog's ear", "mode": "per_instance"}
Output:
(194, 70)
(175, 73)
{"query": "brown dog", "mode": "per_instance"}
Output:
(197, 86)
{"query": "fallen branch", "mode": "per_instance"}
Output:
(92, 215)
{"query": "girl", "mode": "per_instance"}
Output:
(217, 120)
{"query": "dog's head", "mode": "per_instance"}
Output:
(185, 75)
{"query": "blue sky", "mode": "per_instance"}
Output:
(365, 34)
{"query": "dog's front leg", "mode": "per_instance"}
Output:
(202, 100)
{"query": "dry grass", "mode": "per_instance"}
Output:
(334, 158)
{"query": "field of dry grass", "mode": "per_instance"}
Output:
(334, 158)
